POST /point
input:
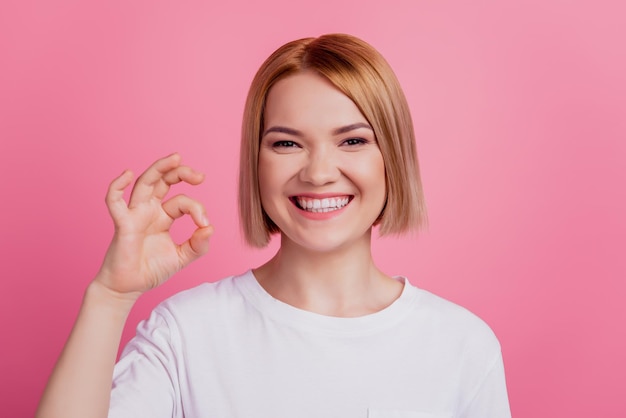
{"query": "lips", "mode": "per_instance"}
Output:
(327, 204)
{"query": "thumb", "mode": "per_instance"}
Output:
(197, 245)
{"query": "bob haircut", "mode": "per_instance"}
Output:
(362, 74)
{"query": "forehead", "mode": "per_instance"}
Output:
(307, 100)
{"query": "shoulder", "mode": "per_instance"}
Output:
(453, 323)
(223, 296)
(459, 339)
(198, 314)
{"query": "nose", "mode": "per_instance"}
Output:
(320, 168)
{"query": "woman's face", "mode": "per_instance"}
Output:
(321, 173)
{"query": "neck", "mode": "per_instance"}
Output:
(344, 282)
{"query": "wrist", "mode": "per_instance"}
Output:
(100, 294)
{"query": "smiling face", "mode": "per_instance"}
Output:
(321, 172)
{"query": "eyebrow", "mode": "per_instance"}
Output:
(338, 131)
(352, 127)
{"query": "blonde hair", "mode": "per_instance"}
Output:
(362, 74)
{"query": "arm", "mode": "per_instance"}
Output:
(141, 256)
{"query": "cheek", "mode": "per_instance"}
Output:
(270, 175)
(381, 180)
(265, 181)
(372, 172)
(379, 183)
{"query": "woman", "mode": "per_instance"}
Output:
(327, 152)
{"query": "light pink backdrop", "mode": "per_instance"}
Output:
(520, 118)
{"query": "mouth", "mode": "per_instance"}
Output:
(327, 204)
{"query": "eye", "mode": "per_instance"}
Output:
(355, 141)
(284, 144)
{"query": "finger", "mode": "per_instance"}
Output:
(144, 186)
(196, 246)
(179, 174)
(184, 205)
(115, 195)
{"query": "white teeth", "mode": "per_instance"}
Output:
(322, 205)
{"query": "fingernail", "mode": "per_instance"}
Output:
(205, 220)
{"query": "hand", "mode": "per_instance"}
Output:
(142, 254)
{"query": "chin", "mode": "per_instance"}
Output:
(321, 243)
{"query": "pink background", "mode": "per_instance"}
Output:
(520, 117)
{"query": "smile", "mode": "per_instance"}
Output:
(321, 205)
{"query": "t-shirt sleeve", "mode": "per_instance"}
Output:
(491, 398)
(145, 377)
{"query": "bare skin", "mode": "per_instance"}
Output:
(344, 282)
(317, 145)
(140, 257)
(327, 283)
(321, 147)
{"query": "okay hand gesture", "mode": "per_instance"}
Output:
(142, 254)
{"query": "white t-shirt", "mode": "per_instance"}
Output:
(229, 349)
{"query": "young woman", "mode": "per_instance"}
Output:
(327, 152)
